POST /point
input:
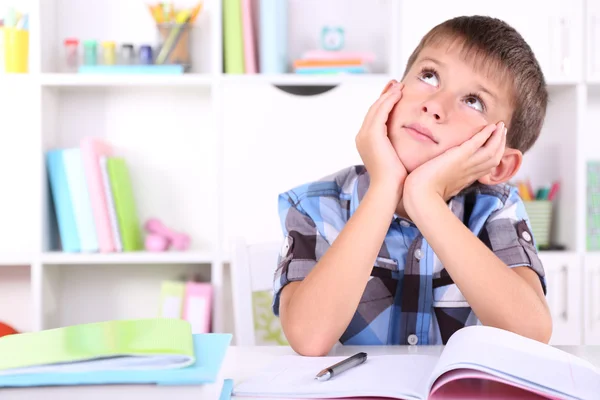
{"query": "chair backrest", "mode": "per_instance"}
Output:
(252, 270)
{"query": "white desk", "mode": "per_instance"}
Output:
(240, 363)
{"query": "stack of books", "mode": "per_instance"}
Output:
(333, 62)
(157, 351)
(93, 199)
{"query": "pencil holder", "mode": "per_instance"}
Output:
(174, 45)
(16, 50)
(540, 217)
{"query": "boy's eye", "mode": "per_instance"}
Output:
(430, 78)
(475, 103)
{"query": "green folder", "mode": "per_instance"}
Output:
(127, 217)
(233, 39)
(140, 344)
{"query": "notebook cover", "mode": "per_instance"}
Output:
(120, 184)
(80, 197)
(233, 41)
(91, 151)
(248, 27)
(146, 336)
(197, 306)
(110, 201)
(273, 36)
(59, 188)
(171, 299)
(209, 352)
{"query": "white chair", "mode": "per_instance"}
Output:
(252, 270)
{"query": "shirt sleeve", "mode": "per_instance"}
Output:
(304, 224)
(507, 232)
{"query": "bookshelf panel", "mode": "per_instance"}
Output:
(109, 292)
(168, 142)
(119, 21)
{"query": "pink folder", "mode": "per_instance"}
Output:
(91, 151)
(248, 29)
(197, 306)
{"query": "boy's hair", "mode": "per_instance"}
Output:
(491, 44)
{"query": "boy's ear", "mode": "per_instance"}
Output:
(508, 167)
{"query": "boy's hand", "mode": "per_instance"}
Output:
(374, 146)
(455, 169)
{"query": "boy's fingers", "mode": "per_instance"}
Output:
(490, 154)
(386, 104)
(390, 83)
(480, 138)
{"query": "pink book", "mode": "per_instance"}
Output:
(92, 149)
(248, 29)
(367, 57)
(197, 306)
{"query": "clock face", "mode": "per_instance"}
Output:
(332, 38)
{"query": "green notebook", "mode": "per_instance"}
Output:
(142, 344)
(233, 39)
(127, 217)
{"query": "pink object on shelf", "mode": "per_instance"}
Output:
(156, 243)
(339, 54)
(92, 149)
(248, 29)
(178, 240)
(197, 306)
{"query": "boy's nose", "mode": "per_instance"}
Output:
(435, 115)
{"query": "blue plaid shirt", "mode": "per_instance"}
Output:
(410, 298)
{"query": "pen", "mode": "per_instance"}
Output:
(341, 366)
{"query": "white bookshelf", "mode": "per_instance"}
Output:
(210, 152)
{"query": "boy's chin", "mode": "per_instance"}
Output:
(410, 162)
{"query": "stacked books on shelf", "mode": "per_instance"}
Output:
(188, 300)
(92, 197)
(140, 351)
(333, 62)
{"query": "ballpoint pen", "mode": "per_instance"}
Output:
(341, 366)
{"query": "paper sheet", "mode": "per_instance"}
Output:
(399, 376)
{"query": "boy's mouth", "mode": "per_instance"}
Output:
(420, 132)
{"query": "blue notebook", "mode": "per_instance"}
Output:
(209, 348)
(59, 188)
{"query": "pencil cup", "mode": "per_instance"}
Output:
(174, 45)
(16, 50)
(540, 217)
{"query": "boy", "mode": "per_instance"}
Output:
(427, 237)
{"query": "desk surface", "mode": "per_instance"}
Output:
(239, 364)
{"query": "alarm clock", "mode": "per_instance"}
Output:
(332, 38)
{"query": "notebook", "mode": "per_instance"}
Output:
(476, 361)
(147, 351)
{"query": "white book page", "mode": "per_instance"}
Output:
(392, 376)
(519, 359)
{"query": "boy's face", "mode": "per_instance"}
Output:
(445, 102)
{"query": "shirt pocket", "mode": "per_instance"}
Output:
(383, 281)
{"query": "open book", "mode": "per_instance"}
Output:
(477, 362)
(143, 344)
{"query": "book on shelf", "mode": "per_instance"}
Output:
(92, 194)
(152, 350)
(190, 300)
(477, 362)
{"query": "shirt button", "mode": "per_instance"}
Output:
(418, 254)
(413, 339)
(404, 224)
(526, 236)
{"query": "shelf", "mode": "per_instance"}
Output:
(87, 80)
(306, 80)
(15, 259)
(142, 257)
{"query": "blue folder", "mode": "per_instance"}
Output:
(209, 348)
